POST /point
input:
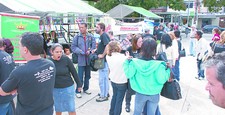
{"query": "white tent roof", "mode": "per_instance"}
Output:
(51, 6)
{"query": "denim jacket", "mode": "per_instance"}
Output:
(79, 49)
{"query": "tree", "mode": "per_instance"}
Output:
(106, 5)
(214, 5)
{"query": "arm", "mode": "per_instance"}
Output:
(73, 72)
(74, 46)
(104, 53)
(129, 69)
(204, 47)
(93, 44)
(3, 93)
(163, 72)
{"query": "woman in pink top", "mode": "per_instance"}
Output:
(216, 33)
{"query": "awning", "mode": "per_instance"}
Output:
(49, 6)
(121, 10)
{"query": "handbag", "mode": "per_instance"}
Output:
(171, 89)
(161, 55)
(99, 63)
(75, 58)
(182, 53)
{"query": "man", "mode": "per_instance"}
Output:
(192, 41)
(201, 47)
(148, 35)
(176, 44)
(111, 36)
(160, 32)
(103, 73)
(33, 81)
(215, 75)
(6, 66)
(83, 44)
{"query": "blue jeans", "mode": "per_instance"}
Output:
(157, 112)
(117, 98)
(84, 80)
(200, 69)
(7, 108)
(129, 94)
(176, 70)
(104, 80)
(151, 101)
(192, 46)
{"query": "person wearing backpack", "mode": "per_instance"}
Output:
(83, 44)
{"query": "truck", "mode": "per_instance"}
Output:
(12, 26)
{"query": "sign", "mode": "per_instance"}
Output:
(12, 27)
(124, 28)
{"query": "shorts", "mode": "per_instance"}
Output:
(64, 99)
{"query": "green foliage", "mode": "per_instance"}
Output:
(106, 5)
(214, 5)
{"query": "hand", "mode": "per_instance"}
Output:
(13, 92)
(100, 56)
(168, 65)
(82, 53)
(127, 53)
(79, 89)
(88, 52)
(93, 51)
(129, 57)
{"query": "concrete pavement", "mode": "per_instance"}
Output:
(195, 99)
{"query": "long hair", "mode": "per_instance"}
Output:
(166, 40)
(222, 37)
(134, 42)
(113, 46)
(148, 48)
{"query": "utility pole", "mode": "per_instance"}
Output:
(196, 12)
(188, 12)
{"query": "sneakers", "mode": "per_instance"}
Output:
(200, 78)
(127, 109)
(101, 99)
(78, 95)
(107, 95)
(87, 92)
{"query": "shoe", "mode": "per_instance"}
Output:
(78, 95)
(200, 78)
(101, 99)
(127, 109)
(107, 95)
(196, 77)
(87, 92)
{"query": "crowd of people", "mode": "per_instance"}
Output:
(130, 67)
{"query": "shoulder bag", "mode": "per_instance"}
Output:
(171, 89)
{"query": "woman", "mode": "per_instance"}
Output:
(9, 48)
(216, 36)
(118, 79)
(64, 91)
(165, 45)
(218, 46)
(144, 77)
(134, 51)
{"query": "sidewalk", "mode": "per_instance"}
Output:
(195, 99)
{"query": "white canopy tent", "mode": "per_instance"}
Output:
(50, 6)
